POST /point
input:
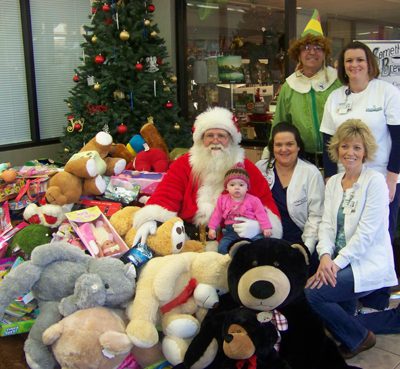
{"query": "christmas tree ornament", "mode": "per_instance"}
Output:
(106, 7)
(147, 22)
(99, 59)
(151, 64)
(77, 127)
(173, 79)
(177, 126)
(118, 95)
(124, 35)
(69, 104)
(153, 34)
(94, 10)
(97, 86)
(94, 39)
(122, 129)
(75, 78)
(108, 21)
(66, 149)
(139, 66)
(159, 61)
(169, 104)
(151, 8)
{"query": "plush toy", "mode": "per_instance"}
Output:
(169, 238)
(152, 160)
(152, 137)
(82, 174)
(92, 338)
(63, 278)
(26, 239)
(164, 295)
(270, 274)
(239, 340)
(47, 215)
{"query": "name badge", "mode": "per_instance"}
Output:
(344, 108)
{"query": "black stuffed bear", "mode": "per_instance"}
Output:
(269, 275)
(239, 340)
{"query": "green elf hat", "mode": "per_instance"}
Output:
(313, 26)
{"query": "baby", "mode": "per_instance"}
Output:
(237, 203)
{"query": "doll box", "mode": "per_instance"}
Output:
(148, 181)
(96, 232)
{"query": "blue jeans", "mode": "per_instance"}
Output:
(229, 236)
(336, 307)
(382, 322)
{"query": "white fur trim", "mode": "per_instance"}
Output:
(277, 230)
(216, 118)
(152, 212)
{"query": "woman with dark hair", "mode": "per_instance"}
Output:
(377, 103)
(302, 97)
(297, 186)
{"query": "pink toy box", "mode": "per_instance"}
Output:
(96, 232)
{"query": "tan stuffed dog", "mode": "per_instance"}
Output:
(82, 174)
(169, 237)
(92, 338)
(166, 293)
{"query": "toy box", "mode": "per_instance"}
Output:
(10, 325)
(148, 181)
(96, 232)
(108, 208)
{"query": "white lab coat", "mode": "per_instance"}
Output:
(368, 247)
(305, 197)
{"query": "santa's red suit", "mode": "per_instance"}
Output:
(193, 199)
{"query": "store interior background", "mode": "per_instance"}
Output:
(341, 20)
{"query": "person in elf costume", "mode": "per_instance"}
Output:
(302, 97)
(194, 181)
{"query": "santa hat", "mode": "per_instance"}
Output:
(313, 26)
(237, 172)
(216, 118)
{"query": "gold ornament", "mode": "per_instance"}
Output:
(66, 149)
(124, 35)
(153, 34)
(146, 22)
(97, 86)
(69, 105)
(166, 89)
(94, 39)
(72, 124)
(118, 95)
(177, 126)
(173, 79)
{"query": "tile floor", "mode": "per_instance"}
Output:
(384, 355)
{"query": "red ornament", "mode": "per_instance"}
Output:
(69, 117)
(106, 7)
(122, 129)
(151, 8)
(77, 127)
(75, 78)
(94, 10)
(159, 61)
(169, 104)
(99, 59)
(108, 21)
(139, 66)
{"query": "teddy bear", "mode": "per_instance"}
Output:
(269, 276)
(63, 278)
(168, 238)
(83, 173)
(92, 338)
(239, 339)
(164, 296)
(151, 160)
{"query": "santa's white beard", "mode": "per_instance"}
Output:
(209, 167)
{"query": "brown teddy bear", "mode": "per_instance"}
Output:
(82, 174)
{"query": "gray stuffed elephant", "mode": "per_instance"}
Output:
(64, 279)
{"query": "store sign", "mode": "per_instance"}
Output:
(387, 54)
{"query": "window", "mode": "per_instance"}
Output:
(32, 94)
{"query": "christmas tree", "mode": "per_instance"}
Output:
(124, 79)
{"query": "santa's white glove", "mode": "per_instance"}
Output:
(149, 227)
(247, 228)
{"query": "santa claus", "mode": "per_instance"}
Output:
(195, 180)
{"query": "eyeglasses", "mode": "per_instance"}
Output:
(219, 136)
(309, 47)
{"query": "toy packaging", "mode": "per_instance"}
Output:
(148, 181)
(122, 189)
(6, 236)
(108, 208)
(96, 232)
